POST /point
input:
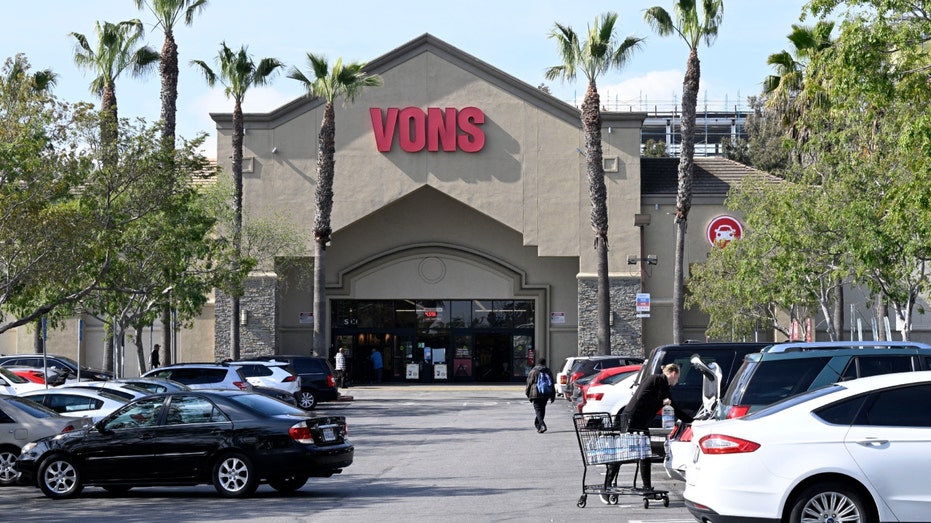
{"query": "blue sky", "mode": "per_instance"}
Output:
(511, 35)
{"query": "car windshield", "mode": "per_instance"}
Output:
(32, 408)
(266, 405)
(791, 401)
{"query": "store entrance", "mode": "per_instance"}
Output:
(492, 357)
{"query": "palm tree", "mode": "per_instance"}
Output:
(238, 72)
(17, 73)
(168, 14)
(118, 49)
(786, 88)
(594, 57)
(693, 26)
(342, 80)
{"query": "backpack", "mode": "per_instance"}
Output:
(545, 384)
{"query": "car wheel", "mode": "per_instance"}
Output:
(234, 476)
(8, 474)
(306, 400)
(829, 501)
(287, 483)
(59, 477)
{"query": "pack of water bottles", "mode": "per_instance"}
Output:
(609, 447)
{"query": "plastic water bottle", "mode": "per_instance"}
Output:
(669, 417)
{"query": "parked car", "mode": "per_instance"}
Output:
(40, 376)
(78, 402)
(58, 363)
(155, 385)
(317, 382)
(271, 374)
(278, 394)
(688, 392)
(610, 398)
(203, 375)
(13, 384)
(594, 365)
(22, 421)
(785, 369)
(605, 377)
(123, 390)
(562, 377)
(231, 439)
(851, 451)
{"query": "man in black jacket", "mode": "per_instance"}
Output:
(651, 395)
(538, 397)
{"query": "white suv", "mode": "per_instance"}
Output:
(203, 376)
(271, 374)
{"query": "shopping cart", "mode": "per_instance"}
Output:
(603, 443)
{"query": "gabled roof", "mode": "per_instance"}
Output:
(429, 43)
(712, 175)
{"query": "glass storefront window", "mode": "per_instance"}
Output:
(405, 313)
(460, 313)
(480, 311)
(375, 314)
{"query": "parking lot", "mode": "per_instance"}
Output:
(429, 453)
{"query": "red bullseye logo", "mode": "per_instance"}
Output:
(723, 230)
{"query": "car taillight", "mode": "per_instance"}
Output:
(563, 379)
(289, 379)
(330, 382)
(301, 433)
(68, 428)
(738, 411)
(721, 444)
(594, 396)
(242, 385)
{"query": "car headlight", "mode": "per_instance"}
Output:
(27, 447)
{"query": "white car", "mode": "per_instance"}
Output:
(610, 398)
(270, 374)
(852, 451)
(78, 402)
(12, 384)
(562, 377)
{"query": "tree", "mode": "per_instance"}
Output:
(654, 149)
(693, 25)
(16, 72)
(46, 239)
(168, 14)
(117, 50)
(164, 234)
(785, 90)
(342, 80)
(238, 73)
(595, 56)
(764, 147)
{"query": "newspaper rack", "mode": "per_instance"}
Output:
(601, 442)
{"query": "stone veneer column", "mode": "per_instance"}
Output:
(626, 331)
(259, 336)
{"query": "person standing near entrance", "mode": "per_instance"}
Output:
(340, 368)
(540, 389)
(377, 365)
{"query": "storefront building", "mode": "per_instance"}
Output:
(462, 248)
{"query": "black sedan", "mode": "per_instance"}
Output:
(231, 439)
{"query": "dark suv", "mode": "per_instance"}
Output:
(786, 369)
(688, 392)
(317, 382)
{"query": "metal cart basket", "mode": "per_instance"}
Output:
(601, 442)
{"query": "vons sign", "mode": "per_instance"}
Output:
(436, 129)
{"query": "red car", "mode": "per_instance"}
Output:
(607, 376)
(36, 375)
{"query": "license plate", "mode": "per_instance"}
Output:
(329, 435)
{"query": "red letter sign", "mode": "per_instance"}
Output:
(433, 129)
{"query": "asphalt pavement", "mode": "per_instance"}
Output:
(424, 453)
